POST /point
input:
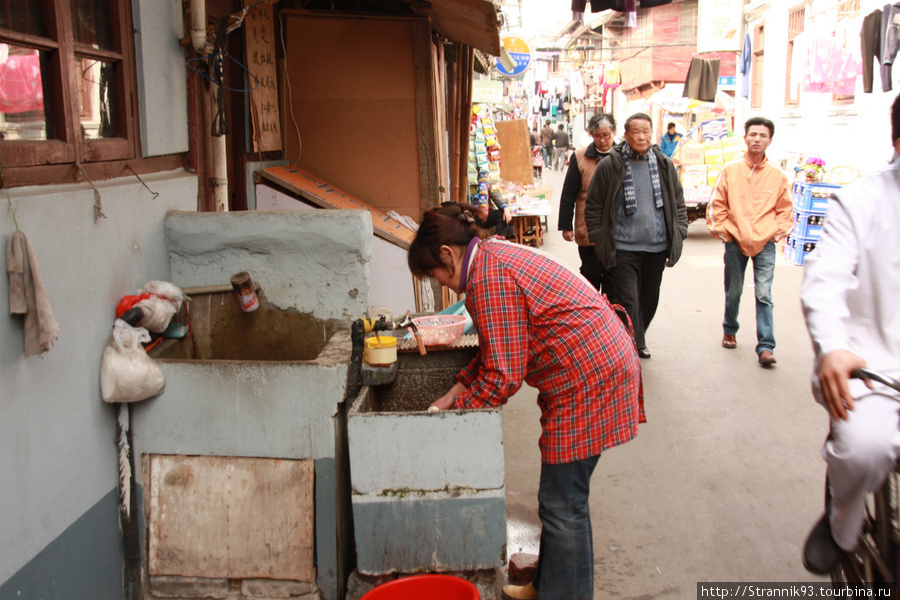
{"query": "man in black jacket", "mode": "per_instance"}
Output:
(636, 219)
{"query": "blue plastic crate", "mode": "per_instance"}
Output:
(808, 224)
(812, 196)
(796, 249)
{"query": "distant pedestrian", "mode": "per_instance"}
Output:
(534, 137)
(560, 148)
(547, 144)
(750, 211)
(670, 141)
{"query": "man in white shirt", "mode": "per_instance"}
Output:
(851, 300)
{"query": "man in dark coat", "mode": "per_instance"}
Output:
(635, 214)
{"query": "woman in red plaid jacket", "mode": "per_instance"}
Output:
(540, 323)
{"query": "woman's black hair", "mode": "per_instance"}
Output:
(450, 224)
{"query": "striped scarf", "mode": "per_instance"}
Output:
(630, 199)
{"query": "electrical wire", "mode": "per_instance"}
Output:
(287, 78)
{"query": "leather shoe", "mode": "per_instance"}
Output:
(643, 353)
(520, 592)
(766, 358)
(821, 553)
(729, 341)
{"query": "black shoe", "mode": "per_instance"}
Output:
(821, 554)
(643, 353)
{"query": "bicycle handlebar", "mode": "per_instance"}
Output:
(876, 376)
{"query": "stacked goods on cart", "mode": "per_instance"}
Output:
(810, 205)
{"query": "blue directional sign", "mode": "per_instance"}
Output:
(519, 51)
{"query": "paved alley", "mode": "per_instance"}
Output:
(725, 479)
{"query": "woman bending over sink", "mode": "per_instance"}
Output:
(540, 323)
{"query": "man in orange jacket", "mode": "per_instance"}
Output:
(750, 211)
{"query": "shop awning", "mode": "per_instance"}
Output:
(471, 22)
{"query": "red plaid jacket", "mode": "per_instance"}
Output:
(540, 323)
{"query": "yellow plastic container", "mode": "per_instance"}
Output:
(381, 351)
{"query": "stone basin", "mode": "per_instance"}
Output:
(222, 331)
(427, 488)
(254, 389)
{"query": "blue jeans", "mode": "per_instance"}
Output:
(763, 272)
(565, 568)
(548, 156)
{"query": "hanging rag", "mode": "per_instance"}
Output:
(27, 295)
(702, 79)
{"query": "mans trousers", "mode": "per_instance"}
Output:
(591, 267)
(548, 156)
(860, 453)
(763, 273)
(634, 285)
(559, 159)
(565, 569)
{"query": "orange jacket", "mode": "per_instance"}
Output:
(751, 205)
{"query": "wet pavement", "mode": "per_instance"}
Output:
(725, 479)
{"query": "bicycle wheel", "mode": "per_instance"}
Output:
(875, 560)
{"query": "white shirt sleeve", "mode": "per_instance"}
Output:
(829, 276)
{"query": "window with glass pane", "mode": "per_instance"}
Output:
(91, 23)
(22, 16)
(98, 106)
(25, 100)
(66, 67)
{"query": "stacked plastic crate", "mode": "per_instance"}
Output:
(810, 205)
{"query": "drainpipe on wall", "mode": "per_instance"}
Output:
(219, 178)
(218, 181)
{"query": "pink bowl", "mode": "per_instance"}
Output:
(440, 330)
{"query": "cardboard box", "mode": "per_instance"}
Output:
(693, 175)
(712, 152)
(732, 148)
(690, 154)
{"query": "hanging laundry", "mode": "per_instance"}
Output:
(890, 41)
(870, 47)
(576, 83)
(744, 66)
(612, 77)
(834, 62)
(702, 80)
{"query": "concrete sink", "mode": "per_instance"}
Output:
(428, 488)
(222, 331)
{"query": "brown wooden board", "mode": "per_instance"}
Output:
(231, 517)
(515, 151)
(264, 111)
(323, 194)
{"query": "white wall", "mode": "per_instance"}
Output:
(57, 451)
(856, 134)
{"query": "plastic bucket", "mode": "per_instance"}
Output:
(425, 587)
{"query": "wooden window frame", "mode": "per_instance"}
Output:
(757, 66)
(796, 25)
(20, 159)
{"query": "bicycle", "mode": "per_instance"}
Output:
(876, 559)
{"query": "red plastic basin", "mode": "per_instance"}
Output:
(425, 587)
